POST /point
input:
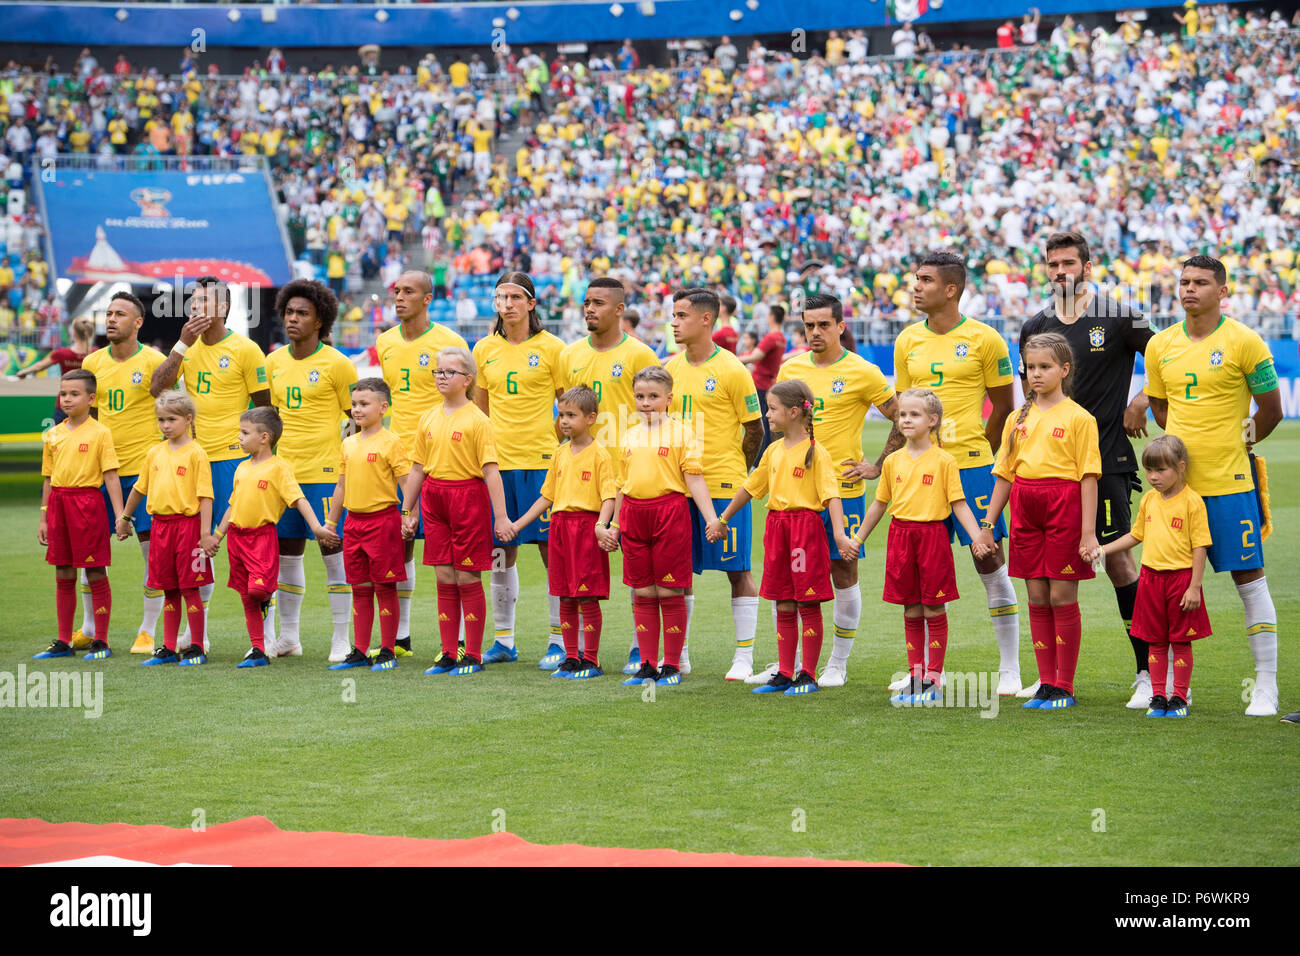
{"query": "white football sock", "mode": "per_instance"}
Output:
(340, 592)
(87, 607)
(405, 590)
(505, 594)
(290, 590)
(1005, 612)
(153, 599)
(1261, 629)
(690, 613)
(557, 636)
(845, 616)
(744, 616)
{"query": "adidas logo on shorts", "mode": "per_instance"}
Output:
(1068, 569)
(1059, 639)
(934, 644)
(809, 632)
(810, 592)
(582, 587)
(467, 561)
(669, 577)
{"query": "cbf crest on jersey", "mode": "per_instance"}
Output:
(1216, 358)
(136, 378)
(223, 362)
(710, 384)
(1097, 337)
(534, 360)
(424, 360)
(962, 350)
(617, 370)
(837, 386)
(313, 376)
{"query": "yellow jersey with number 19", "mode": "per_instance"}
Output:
(124, 402)
(716, 397)
(313, 396)
(960, 367)
(520, 382)
(1208, 385)
(843, 393)
(408, 370)
(609, 374)
(221, 379)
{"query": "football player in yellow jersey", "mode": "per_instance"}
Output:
(1201, 377)
(408, 354)
(519, 379)
(963, 361)
(224, 373)
(845, 386)
(607, 359)
(715, 395)
(123, 403)
(311, 388)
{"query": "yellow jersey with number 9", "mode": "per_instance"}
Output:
(843, 393)
(124, 403)
(221, 378)
(609, 374)
(408, 370)
(1208, 385)
(520, 382)
(313, 396)
(960, 367)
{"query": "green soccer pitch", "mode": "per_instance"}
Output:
(705, 766)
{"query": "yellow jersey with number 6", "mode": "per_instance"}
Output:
(520, 382)
(408, 370)
(1208, 385)
(313, 396)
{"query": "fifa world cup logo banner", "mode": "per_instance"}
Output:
(151, 201)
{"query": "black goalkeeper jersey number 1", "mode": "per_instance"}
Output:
(1105, 340)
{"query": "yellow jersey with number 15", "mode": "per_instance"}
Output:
(1208, 385)
(843, 393)
(960, 367)
(124, 403)
(408, 370)
(313, 396)
(221, 379)
(520, 382)
(609, 374)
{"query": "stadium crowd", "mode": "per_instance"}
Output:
(738, 170)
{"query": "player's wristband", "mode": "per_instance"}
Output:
(986, 524)
(129, 519)
(331, 525)
(406, 512)
(612, 526)
(45, 507)
(180, 348)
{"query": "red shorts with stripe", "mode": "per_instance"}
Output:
(796, 557)
(1158, 616)
(918, 563)
(175, 561)
(577, 566)
(254, 559)
(457, 523)
(373, 549)
(655, 537)
(74, 523)
(1046, 518)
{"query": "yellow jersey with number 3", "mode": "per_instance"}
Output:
(960, 367)
(843, 393)
(520, 382)
(716, 397)
(408, 370)
(1208, 385)
(124, 403)
(313, 396)
(609, 374)
(221, 379)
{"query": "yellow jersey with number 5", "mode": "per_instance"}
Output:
(313, 396)
(960, 367)
(408, 370)
(609, 374)
(1208, 385)
(843, 393)
(124, 403)
(221, 379)
(520, 382)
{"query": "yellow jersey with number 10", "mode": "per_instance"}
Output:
(1208, 385)
(408, 370)
(960, 367)
(124, 403)
(313, 396)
